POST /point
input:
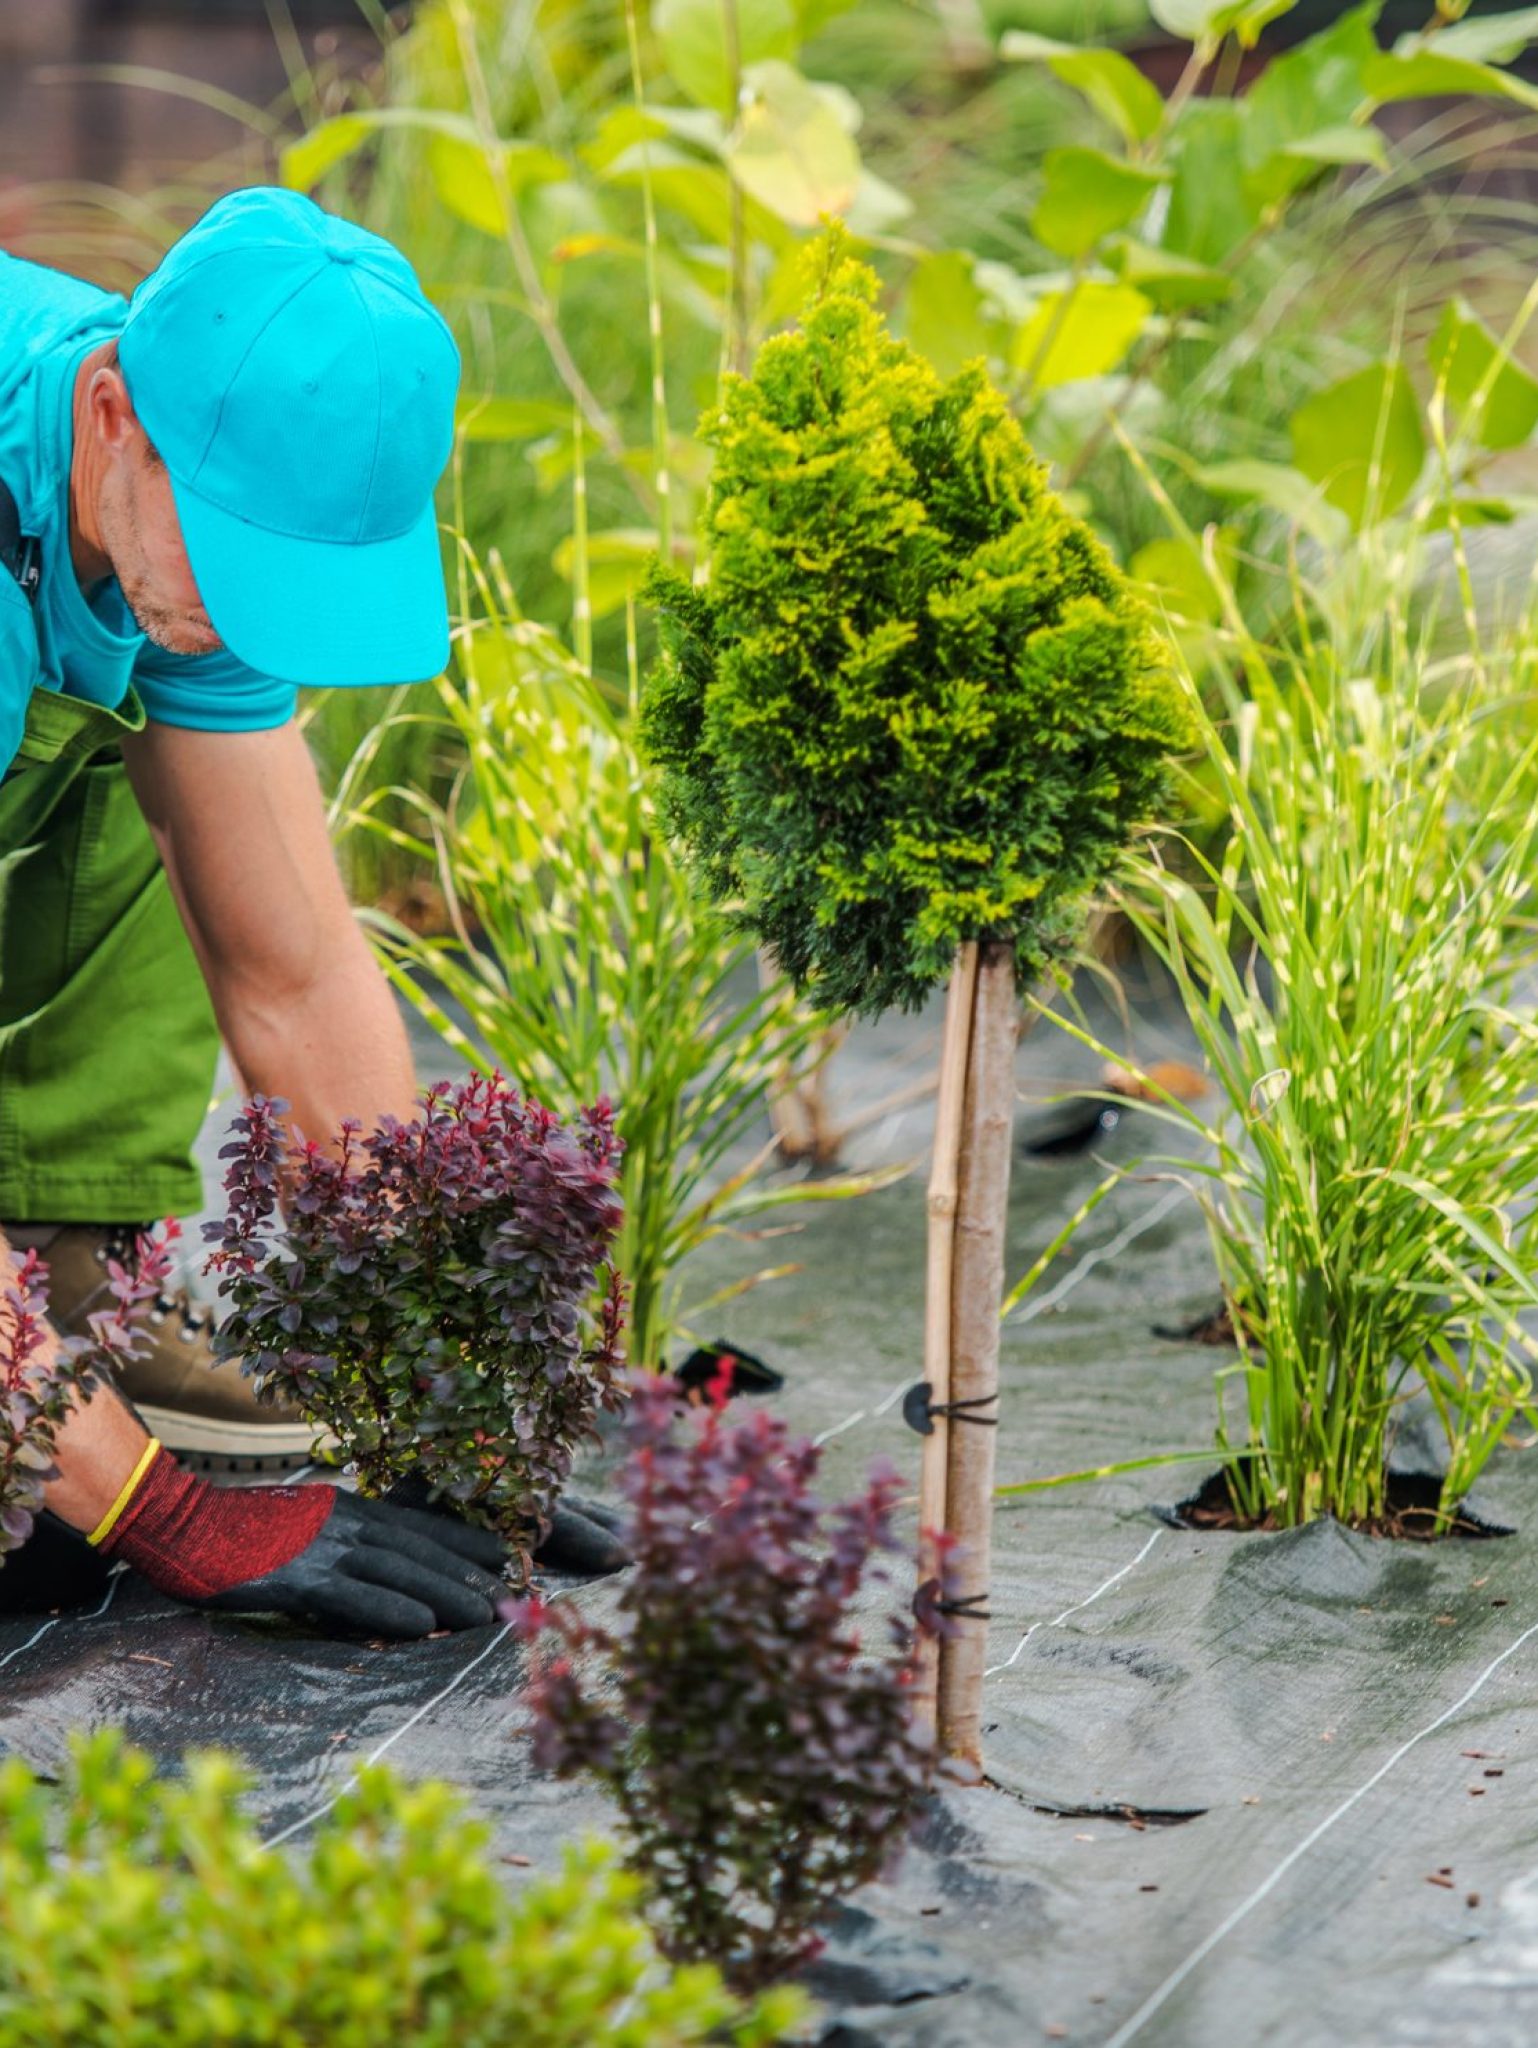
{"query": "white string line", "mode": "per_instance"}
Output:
(298, 1826)
(1078, 1607)
(1145, 2012)
(21, 1648)
(1090, 1260)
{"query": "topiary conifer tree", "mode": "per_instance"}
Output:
(907, 726)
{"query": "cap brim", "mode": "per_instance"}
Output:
(312, 612)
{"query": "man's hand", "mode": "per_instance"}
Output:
(310, 1551)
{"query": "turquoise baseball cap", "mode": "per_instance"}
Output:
(300, 390)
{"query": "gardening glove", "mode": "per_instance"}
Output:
(311, 1551)
(582, 1536)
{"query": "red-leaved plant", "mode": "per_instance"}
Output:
(427, 1294)
(764, 1762)
(37, 1390)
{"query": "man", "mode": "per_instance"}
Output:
(223, 489)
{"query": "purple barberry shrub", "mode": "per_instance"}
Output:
(428, 1292)
(764, 1758)
(39, 1381)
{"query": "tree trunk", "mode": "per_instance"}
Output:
(977, 1292)
(937, 1301)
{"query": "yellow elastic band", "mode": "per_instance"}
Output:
(109, 1520)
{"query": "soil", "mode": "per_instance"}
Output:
(1411, 1501)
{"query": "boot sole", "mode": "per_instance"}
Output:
(209, 1445)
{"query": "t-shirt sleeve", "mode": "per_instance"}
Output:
(210, 692)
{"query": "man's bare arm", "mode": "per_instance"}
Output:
(303, 1007)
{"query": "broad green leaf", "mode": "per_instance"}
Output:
(1284, 489)
(1088, 337)
(1368, 422)
(1112, 83)
(1299, 163)
(876, 207)
(1176, 570)
(791, 150)
(1470, 512)
(1486, 38)
(465, 174)
(1462, 354)
(1427, 75)
(1087, 195)
(812, 15)
(694, 46)
(624, 128)
(1208, 21)
(1317, 87)
(1172, 282)
(305, 162)
(510, 419)
(946, 319)
(1211, 211)
(616, 563)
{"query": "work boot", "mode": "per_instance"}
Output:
(204, 1410)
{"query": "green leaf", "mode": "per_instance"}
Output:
(693, 38)
(1462, 353)
(1470, 512)
(1208, 21)
(1172, 282)
(1401, 74)
(509, 419)
(1368, 421)
(1316, 88)
(1176, 570)
(1088, 338)
(1486, 38)
(1112, 83)
(791, 150)
(1211, 208)
(1284, 489)
(616, 564)
(465, 174)
(946, 316)
(1087, 195)
(305, 162)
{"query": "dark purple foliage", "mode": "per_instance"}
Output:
(426, 1296)
(36, 1394)
(765, 1762)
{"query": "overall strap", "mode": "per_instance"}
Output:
(18, 551)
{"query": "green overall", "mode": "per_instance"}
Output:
(107, 1037)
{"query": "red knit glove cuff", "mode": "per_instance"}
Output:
(195, 1541)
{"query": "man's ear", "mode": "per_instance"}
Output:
(110, 410)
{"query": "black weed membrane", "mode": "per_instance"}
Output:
(1258, 1788)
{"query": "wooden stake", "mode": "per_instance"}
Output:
(937, 1297)
(977, 1292)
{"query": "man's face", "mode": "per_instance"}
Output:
(141, 534)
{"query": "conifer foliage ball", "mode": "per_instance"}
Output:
(915, 702)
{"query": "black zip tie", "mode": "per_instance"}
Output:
(965, 1606)
(919, 1411)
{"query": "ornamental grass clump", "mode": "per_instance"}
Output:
(1354, 972)
(138, 1911)
(764, 1759)
(39, 1382)
(428, 1295)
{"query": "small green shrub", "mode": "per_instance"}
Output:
(143, 1912)
(916, 702)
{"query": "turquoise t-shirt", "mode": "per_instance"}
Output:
(48, 324)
